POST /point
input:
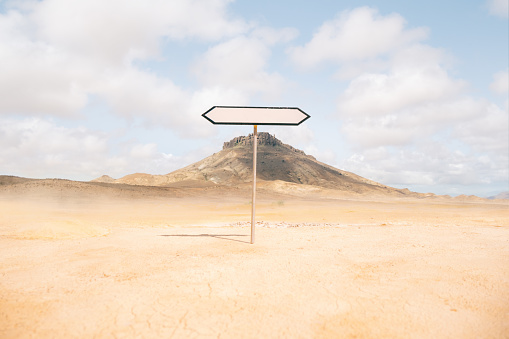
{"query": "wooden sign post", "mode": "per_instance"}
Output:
(239, 115)
(253, 204)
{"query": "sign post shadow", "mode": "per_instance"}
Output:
(242, 115)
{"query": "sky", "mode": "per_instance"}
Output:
(412, 94)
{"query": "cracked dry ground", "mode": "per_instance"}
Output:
(371, 270)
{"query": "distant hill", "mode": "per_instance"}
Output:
(105, 179)
(277, 162)
(63, 190)
(503, 195)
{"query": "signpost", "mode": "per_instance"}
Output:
(240, 115)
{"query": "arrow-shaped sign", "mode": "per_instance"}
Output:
(238, 115)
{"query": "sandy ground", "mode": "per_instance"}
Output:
(184, 268)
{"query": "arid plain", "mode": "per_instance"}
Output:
(336, 255)
(89, 260)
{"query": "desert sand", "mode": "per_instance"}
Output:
(181, 266)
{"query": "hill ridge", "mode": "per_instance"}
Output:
(276, 162)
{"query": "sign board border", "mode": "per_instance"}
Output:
(307, 116)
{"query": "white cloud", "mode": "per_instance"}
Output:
(326, 156)
(430, 163)
(499, 7)
(403, 86)
(500, 82)
(487, 131)
(144, 151)
(297, 136)
(35, 147)
(500, 85)
(115, 29)
(407, 125)
(413, 99)
(39, 148)
(355, 35)
(158, 101)
(475, 131)
(460, 142)
(35, 77)
(240, 63)
(55, 54)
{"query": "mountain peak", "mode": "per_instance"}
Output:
(264, 139)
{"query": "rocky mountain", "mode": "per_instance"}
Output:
(276, 162)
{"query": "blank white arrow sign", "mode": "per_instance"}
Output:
(236, 115)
